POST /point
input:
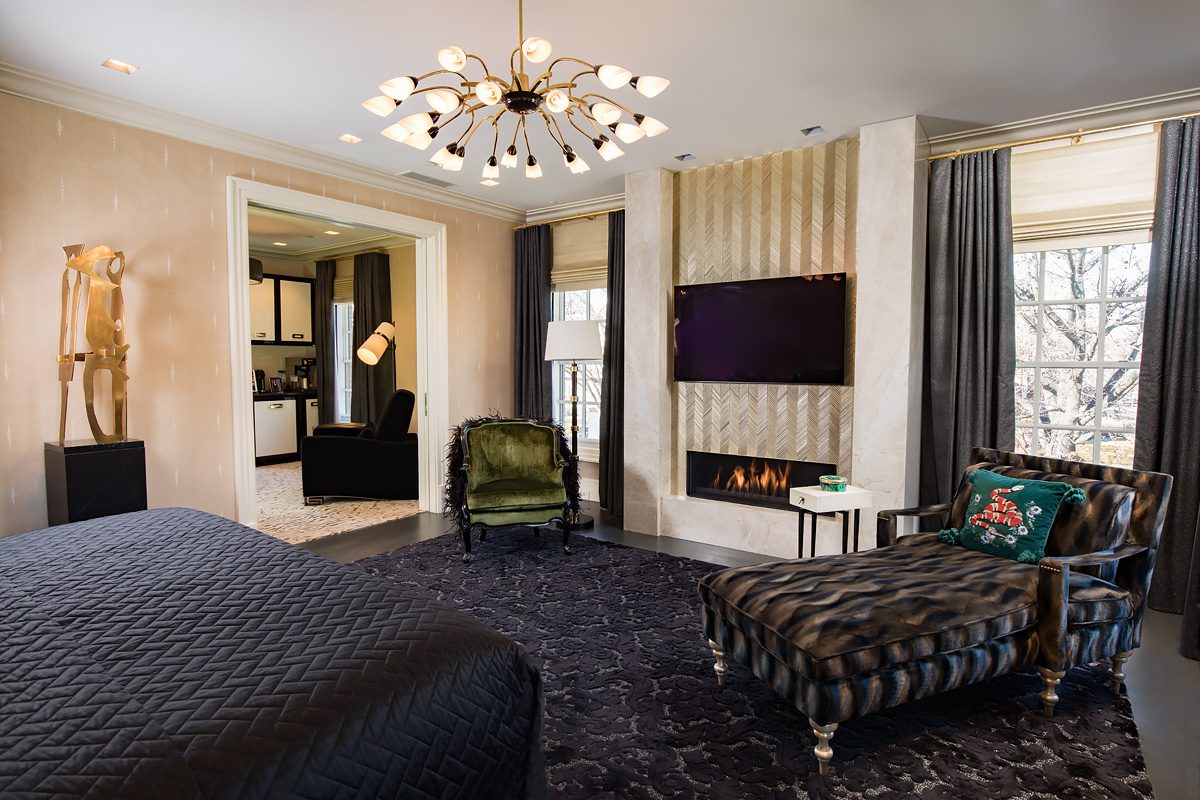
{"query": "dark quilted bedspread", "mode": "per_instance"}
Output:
(175, 654)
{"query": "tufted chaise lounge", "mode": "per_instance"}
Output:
(848, 635)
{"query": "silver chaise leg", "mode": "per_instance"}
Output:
(1116, 673)
(719, 667)
(1050, 680)
(823, 751)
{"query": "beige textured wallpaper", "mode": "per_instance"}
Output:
(790, 213)
(69, 178)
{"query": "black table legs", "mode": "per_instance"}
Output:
(812, 547)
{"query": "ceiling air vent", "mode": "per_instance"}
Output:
(416, 176)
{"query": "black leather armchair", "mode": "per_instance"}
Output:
(379, 463)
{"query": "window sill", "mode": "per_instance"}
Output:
(589, 450)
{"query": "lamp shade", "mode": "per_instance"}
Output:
(377, 344)
(574, 340)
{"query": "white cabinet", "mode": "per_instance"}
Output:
(262, 310)
(312, 416)
(295, 312)
(274, 427)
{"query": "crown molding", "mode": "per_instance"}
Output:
(387, 242)
(596, 205)
(1127, 112)
(35, 86)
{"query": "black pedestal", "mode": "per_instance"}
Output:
(85, 480)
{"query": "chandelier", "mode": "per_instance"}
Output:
(560, 103)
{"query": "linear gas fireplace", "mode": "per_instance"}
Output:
(750, 480)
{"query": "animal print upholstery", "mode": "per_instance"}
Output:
(827, 618)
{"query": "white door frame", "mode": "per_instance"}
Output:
(433, 369)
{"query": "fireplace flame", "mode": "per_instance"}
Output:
(756, 480)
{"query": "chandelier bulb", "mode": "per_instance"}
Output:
(399, 88)
(605, 113)
(488, 92)
(608, 150)
(574, 163)
(443, 101)
(557, 101)
(397, 132)
(491, 169)
(627, 133)
(381, 105)
(443, 156)
(612, 76)
(535, 49)
(649, 125)
(452, 58)
(649, 85)
(532, 168)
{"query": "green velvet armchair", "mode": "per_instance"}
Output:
(504, 473)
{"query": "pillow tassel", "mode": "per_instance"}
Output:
(1075, 496)
(949, 536)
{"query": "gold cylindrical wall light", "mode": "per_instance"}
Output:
(377, 343)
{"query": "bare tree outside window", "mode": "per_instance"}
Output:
(1079, 343)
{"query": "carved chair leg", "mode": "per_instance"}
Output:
(720, 668)
(466, 537)
(482, 534)
(823, 751)
(1050, 680)
(1116, 673)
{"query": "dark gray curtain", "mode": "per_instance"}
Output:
(371, 387)
(970, 344)
(612, 388)
(533, 398)
(323, 339)
(1168, 425)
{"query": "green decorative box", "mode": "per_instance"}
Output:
(833, 483)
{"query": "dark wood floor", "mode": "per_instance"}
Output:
(1164, 687)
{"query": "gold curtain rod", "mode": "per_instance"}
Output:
(1056, 137)
(567, 219)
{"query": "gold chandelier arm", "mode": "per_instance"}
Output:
(495, 134)
(474, 127)
(560, 140)
(571, 119)
(581, 98)
(435, 72)
(512, 66)
(525, 131)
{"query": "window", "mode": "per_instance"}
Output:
(1079, 342)
(343, 357)
(580, 304)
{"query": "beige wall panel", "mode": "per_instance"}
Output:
(70, 178)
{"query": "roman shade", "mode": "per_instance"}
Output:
(580, 254)
(1101, 186)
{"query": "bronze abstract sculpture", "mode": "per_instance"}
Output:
(104, 327)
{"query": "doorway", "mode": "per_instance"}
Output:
(432, 368)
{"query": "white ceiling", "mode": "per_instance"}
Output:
(295, 237)
(746, 77)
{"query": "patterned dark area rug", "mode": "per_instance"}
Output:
(633, 709)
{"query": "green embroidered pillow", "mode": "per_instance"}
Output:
(1010, 517)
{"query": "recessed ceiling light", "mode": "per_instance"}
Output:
(685, 157)
(489, 182)
(813, 131)
(119, 66)
(333, 233)
(279, 244)
(349, 138)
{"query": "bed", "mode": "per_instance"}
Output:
(175, 654)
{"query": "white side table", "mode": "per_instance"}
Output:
(815, 501)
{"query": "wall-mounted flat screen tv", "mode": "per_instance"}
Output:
(775, 330)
